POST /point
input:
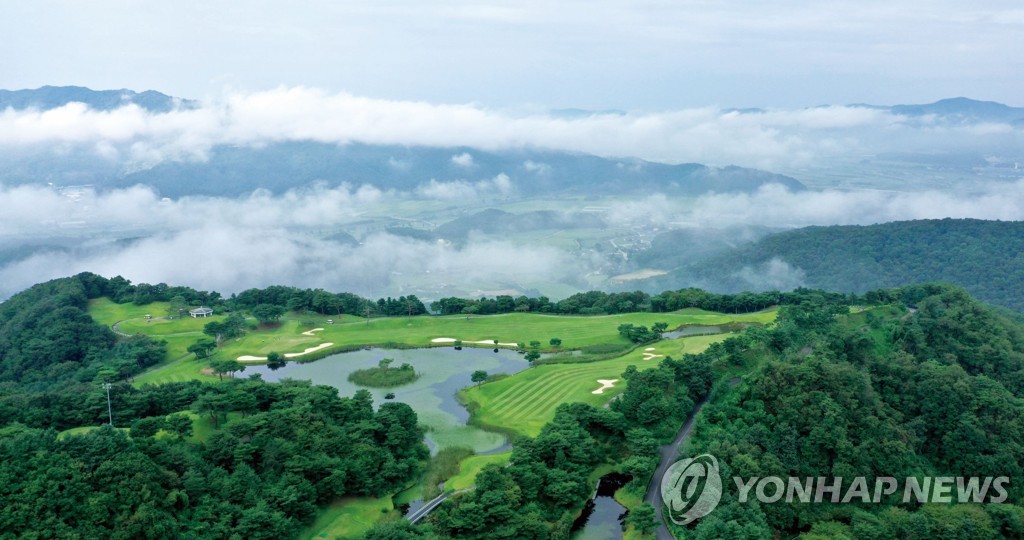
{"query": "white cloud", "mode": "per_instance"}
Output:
(499, 186)
(464, 160)
(770, 139)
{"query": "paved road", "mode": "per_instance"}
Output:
(669, 454)
(116, 327)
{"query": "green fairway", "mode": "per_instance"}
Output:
(105, 311)
(348, 518)
(574, 331)
(163, 327)
(349, 331)
(183, 369)
(527, 400)
(469, 467)
(294, 334)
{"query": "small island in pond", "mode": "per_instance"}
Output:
(384, 376)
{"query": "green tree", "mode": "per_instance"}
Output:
(202, 348)
(276, 360)
(226, 367)
(642, 518)
(179, 424)
(268, 313)
(176, 307)
(555, 342)
(478, 376)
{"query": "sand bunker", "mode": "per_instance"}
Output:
(606, 384)
(651, 356)
(247, 358)
(649, 349)
(483, 342)
(310, 332)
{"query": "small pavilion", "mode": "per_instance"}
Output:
(200, 312)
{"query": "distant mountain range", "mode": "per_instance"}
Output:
(984, 257)
(51, 97)
(278, 167)
(281, 166)
(958, 109)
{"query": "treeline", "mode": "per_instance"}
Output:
(263, 475)
(604, 303)
(122, 291)
(328, 303)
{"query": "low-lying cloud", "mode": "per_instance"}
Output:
(766, 139)
(229, 244)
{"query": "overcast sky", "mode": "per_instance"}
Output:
(633, 55)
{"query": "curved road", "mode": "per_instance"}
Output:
(669, 455)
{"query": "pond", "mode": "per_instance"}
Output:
(603, 516)
(443, 371)
(704, 330)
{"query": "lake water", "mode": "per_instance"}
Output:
(703, 330)
(443, 371)
(602, 517)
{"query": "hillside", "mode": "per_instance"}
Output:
(983, 257)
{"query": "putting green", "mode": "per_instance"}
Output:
(527, 400)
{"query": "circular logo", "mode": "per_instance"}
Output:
(691, 488)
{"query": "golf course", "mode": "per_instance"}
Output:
(582, 360)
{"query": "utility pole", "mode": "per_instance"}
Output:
(110, 411)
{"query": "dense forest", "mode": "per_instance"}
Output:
(983, 257)
(289, 448)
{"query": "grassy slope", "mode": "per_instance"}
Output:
(348, 518)
(527, 400)
(469, 467)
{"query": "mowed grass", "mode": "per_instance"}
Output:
(574, 331)
(105, 311)
(348, 518)
(470, 467)
(349, 331)
(526, 401)
(163, 327)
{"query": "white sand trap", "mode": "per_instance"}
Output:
(247, 358)
(309, 350)
(310, 332)
(482, 342)
(605, 385)
(651, 356)
(649, 349)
